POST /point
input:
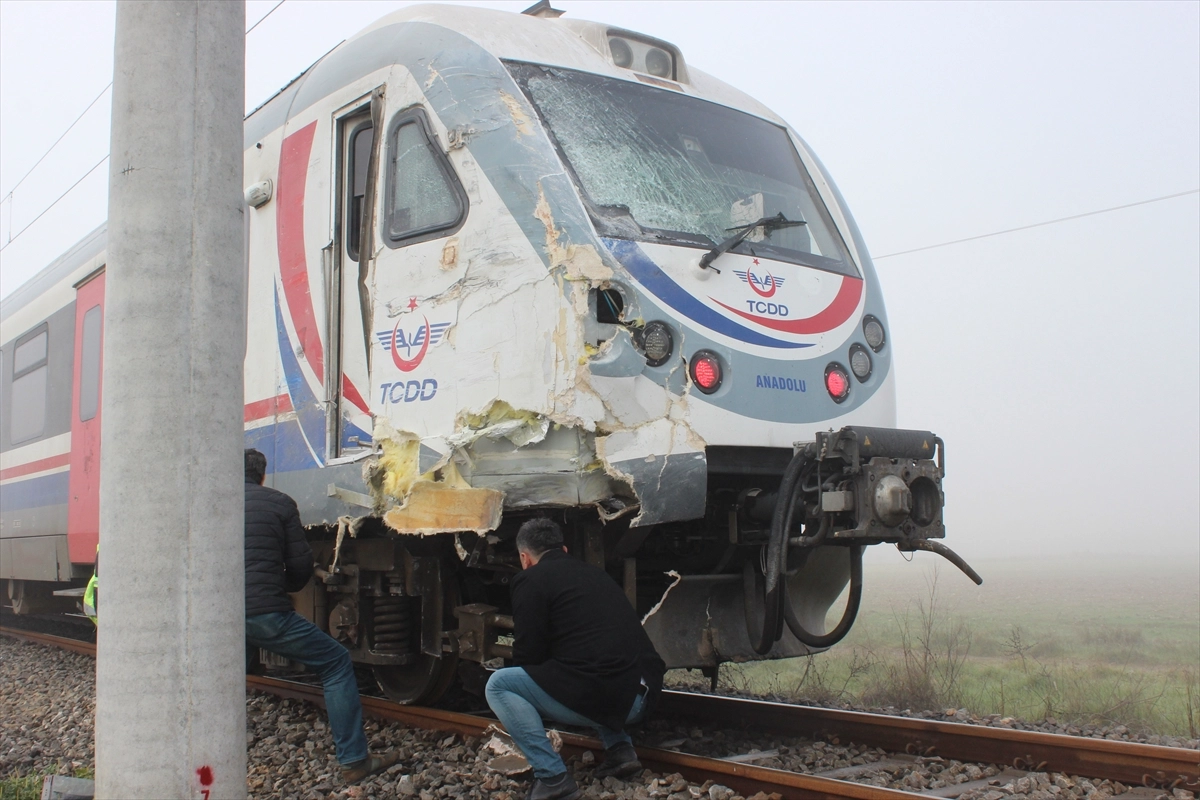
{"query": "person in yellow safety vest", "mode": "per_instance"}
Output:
(89, 594)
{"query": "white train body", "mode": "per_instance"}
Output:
(471, 235)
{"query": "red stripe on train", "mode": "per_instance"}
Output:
(289, 233)
(261, 409)
(837, 312)
(41, 465)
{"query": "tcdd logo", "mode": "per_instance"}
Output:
(425, 336)
(768, 284)
(409, 391)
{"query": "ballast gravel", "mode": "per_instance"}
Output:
(46, 726)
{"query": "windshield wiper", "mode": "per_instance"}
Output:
(766, 223)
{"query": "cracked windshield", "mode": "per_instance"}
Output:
(686, 170)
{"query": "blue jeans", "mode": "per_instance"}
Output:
(521, 704)
(290, 635)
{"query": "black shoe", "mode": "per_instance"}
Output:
(560, 787)
(620, 761)
(353, 773)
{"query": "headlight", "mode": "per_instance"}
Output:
(658, 63)
(860, 362)
(873, 331)
(657, 343)
(622, 55)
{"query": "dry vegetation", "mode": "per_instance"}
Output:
(1081, 642)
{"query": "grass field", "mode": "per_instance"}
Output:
(1087, 640)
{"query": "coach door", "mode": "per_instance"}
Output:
(347, 370)
(83, 498)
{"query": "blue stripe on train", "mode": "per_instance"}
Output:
(47, 490)
(309, 410)
(281, 443)
(284, 446)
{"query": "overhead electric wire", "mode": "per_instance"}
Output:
(52, 205)
(264, 16)
(1039, 224)
(59, 139)
(9, 195)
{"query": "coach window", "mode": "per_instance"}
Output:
(89, 367)
(360, 159)
(424, 198)
(28, 418)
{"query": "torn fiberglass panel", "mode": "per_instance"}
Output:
(684, 169)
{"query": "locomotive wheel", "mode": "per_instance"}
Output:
(418, 684)
(424, 681)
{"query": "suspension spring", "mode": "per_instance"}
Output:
(394, 619)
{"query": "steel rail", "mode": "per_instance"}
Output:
(746, 779)
(1128, 762)
(61, 642)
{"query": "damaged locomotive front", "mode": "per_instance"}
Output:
(553, 270)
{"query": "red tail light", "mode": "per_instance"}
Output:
(837, 382)
(706, 371)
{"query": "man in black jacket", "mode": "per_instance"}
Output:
(581, 656)
(278, 561)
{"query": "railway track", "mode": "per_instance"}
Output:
(1156, 767)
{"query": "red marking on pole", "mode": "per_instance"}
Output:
(206, 777)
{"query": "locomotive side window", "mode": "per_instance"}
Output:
(89, 367)
(28, 413)
(424, 197)
(360, 159)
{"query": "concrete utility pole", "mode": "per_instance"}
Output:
(170, 673)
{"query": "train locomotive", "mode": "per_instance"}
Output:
(507, 265)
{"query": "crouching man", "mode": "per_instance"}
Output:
(278, 561)
(581, 658)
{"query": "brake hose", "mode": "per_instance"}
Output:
(773, 594)
(852, 603)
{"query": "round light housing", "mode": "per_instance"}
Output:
(658, 62)
(705, 370)
(657, 343)
(860, 362)
(873, 331)
(837, 382)
(622, 54)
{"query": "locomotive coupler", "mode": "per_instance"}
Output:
(892, 490)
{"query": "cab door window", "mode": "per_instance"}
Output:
(361, 140)
(424, 197)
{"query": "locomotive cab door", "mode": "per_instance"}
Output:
(345, 262)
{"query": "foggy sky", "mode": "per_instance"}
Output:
(1060, 364)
